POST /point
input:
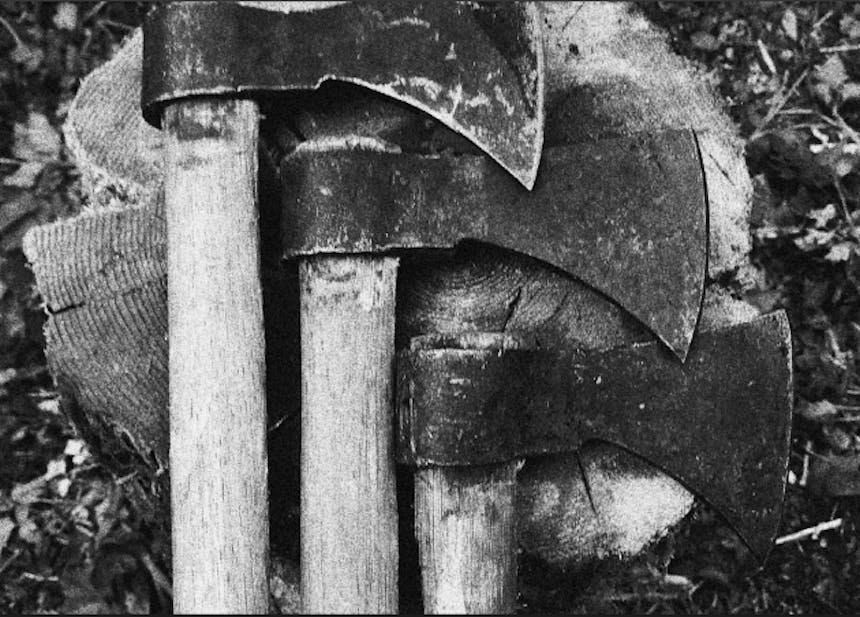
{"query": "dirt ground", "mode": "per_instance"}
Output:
(788, 74)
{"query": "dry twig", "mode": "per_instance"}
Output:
(765, 56)
(11, 30)
(838, 49)
(810, 532)
(818, 23)
(778, 103)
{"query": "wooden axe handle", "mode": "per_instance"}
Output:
(349, 551)
(465, 520)
(466, 530)
(218, 465)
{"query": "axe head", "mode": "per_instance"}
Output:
(627, 216)
(719, 424)
(476, 67)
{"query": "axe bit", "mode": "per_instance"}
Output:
(467, 65)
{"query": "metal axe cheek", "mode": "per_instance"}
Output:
(466, 66)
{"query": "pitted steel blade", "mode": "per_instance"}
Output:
(475, 67)
(719, 424)
(627, 216)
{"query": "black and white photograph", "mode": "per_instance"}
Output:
(429, 307)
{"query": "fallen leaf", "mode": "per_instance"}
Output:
(57, 467)
(49, 406)
(761, 82)
(822, 216)
(817, 411)
(850, 91)
(66, 17)
(839, 439)
(8, 375)
(28, 492)
(839, 159)
(828, 78)
(25, 176)
(15, 211)
(37, 140)
(832, 72)
(7, 526)
(62, 486)
(677, 580)
(29, 58)
(844, 165)
(850, 26)
(840, 252)
(789, 24)
(29, 532)
(704, 41)
(77, 449)
(823, 92)
(814, 239)
(22, 513)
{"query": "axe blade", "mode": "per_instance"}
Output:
(719, 424)
(477, 68)
(627, 216)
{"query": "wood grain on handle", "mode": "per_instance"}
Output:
(349, 550)
(218, 461)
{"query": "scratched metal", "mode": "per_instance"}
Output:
(477, 68)
(627, 216)
(720, 424)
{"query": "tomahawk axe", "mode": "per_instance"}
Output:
(468, 407)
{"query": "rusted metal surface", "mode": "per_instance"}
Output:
(627, 216)
(477, 68)
(719, 424)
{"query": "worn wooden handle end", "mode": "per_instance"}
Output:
(218, 462)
